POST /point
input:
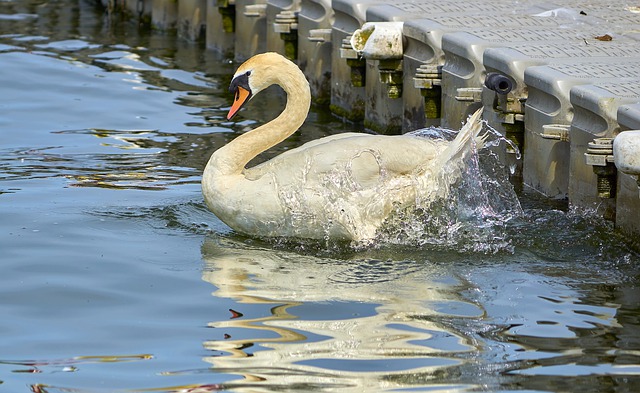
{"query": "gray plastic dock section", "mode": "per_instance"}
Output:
(191, 23)
(424, 50)
(250, 28)
(505, 112)
(220, 30)
(164, 14)
(549, 113)
(425, 23)
(314, 46)
(464, 77)
(463, 73)
(629, 117)
(595, 116)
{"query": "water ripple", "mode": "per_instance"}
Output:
(141, 171)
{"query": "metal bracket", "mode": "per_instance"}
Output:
(599, 152)
(320, 35)
(347, 51)
(558, 132)
(255, 10)
(428, 79)
(286, 22)
(428, 76)
(469, 94)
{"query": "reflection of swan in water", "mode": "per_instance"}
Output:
(340, 187)
(297, 344)
(523, 320)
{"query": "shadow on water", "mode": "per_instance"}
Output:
(116, 277)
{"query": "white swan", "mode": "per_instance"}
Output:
(338, 187)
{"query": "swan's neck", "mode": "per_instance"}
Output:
(233, 157)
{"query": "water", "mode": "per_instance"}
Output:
(115, 277)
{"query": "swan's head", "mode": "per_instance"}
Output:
(256, 74)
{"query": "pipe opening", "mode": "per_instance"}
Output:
(498, 83)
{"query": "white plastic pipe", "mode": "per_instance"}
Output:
(379, 40)
(626, 152)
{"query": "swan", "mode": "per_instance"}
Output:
(340, 187)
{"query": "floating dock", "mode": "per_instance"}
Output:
(561, 79)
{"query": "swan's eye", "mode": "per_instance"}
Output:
(248, 73)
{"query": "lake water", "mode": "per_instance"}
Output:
(116, 278)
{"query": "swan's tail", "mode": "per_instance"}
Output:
(453, 160)
(470, 135)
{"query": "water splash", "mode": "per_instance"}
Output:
(473, 216)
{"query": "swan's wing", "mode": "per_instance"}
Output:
(373, 159)
(366, 159)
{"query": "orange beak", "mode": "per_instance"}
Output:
(240, 98)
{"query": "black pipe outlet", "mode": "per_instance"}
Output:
(498, 83)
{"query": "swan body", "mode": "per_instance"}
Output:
(339, 187)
